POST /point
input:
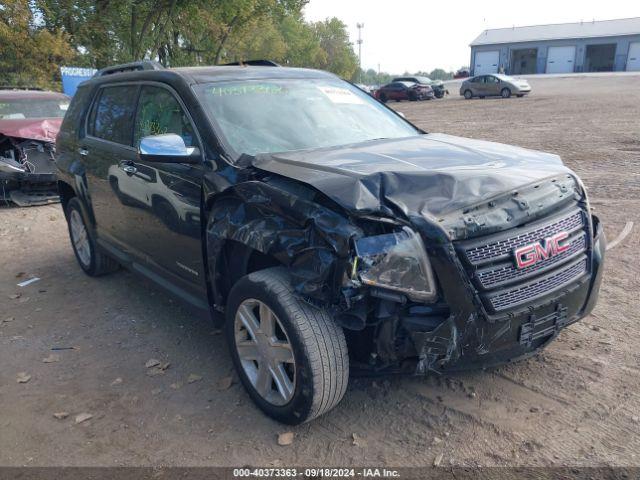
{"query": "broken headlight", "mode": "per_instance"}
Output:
(396, 261)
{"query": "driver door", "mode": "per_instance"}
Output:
(166, 231)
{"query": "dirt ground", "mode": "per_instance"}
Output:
(577, 403)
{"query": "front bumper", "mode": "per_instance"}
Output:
(28, 189)
(522, 90)
(471, 339)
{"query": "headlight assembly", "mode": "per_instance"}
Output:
(396, 261)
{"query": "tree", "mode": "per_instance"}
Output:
(98, 33)
(338, 56)
(29, 54)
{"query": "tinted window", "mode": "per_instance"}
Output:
(112, 116)
(160, 112)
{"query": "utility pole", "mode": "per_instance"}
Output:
(360, 27)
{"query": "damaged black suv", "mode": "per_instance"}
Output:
(328, 232)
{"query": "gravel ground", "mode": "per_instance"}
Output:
(577, 403)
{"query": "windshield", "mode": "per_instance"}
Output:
(267, 116)
(32, 108)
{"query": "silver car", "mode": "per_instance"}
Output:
(494, 85)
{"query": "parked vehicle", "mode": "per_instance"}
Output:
(327, 233)
(29, 123)
(367, 88)
(496, 85)
(404, 91)
(464, 72)
(438, 87)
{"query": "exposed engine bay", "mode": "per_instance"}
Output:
(27, 171)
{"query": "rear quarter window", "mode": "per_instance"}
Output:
(112, 114)
(72, 125)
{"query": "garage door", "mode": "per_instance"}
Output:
(561, 59)
(633, 60)
(486, 62)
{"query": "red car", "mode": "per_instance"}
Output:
(404, 91)
(29, 123)
(462, 73)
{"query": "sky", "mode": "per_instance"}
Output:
(414, 35)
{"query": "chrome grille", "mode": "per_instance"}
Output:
(496, 275)
(501, 248)
(490, 261)
(510, 298)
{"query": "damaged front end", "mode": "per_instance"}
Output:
(27, 171)
(438, 297)
(433, 253)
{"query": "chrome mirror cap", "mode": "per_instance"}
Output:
(168, 148)
(168, 144)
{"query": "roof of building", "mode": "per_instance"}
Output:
(603, 28)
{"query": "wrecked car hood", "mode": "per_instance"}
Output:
(428, 175)
(43, 129)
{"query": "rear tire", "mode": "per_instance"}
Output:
(92, 261)
(468, 94)
(318, 371)
(505, 93)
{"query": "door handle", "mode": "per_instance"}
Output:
(83, 151)
(128, 167)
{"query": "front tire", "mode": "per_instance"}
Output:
(468, 94)
(92, 261)
(383, 97)
(506, 93)
(291, 357)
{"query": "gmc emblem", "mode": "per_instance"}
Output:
(535, 252)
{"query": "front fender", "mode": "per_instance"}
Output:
(313, 241)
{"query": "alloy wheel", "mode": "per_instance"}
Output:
(80, 238)
(265, 352)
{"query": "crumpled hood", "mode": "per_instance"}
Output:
(44, 129)
(428, 175)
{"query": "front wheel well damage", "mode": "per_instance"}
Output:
(66, 193)
(238, 260)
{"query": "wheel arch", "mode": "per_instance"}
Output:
(255, 225)
(66, 193)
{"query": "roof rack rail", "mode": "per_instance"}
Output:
(9, 87)
(129, 67)
(254, 63)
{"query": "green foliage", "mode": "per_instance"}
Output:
(29, 54)
(37, 36)
(371, 77)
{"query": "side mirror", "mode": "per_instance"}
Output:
(167, 148)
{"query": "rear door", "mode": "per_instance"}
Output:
(106, 150)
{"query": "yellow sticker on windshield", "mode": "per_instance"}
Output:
(340, 95)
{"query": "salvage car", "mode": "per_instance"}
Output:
(439, 90)
(29, 122)
(463, 72)
(496, 85)
(333, 236)
(399, 91)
